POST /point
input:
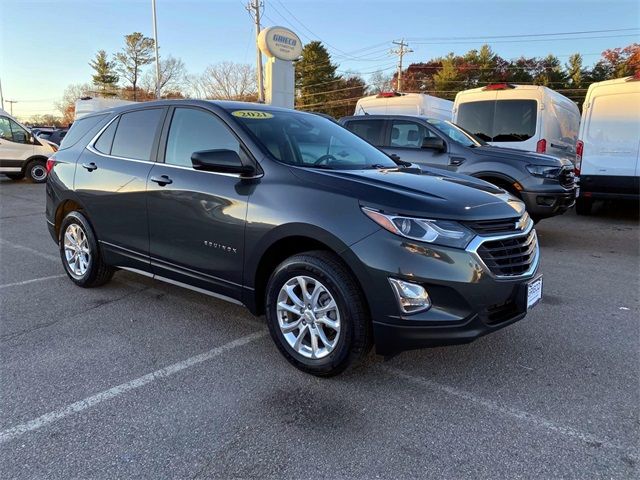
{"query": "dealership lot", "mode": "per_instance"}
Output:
(143, 378)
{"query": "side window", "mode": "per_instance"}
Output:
(135, 134)
(515, 120)
(5, 129)
(79, 129)
(370, 130)
(193, 130)
(20, 135)
(104, 143)
(408, 134)
(477, 118)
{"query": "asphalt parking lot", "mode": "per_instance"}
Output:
(143, 379)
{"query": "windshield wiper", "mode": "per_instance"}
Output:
(379, 166)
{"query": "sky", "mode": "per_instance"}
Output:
(47, 45)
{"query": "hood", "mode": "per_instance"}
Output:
(517, 155)
(419, 194)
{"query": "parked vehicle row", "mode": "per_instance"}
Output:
(293, 216)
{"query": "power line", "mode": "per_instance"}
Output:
(400, 51)
(416, 39)
(524, 40)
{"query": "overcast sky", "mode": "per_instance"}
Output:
(46, 45)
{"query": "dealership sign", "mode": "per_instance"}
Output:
(280, 42)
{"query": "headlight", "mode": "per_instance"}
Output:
(440, 232)
(543, 171)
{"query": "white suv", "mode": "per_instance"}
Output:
(22, 154)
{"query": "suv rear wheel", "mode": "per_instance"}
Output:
(80, 253)
(37, 171)
(316, 314)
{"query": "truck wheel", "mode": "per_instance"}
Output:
(37, 171)
(316, 314)
(80, 254)
(584, 206)
(15, 176)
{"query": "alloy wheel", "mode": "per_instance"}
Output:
(76, 250)
(308, 317)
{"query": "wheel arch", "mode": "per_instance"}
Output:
(501, 180)
(64, 207)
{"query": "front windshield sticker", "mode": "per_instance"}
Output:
(251, 114)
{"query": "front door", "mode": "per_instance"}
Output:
(197, 218)
(15, 145)
(406, 139)
(111, 179)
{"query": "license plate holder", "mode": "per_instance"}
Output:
(534, 292)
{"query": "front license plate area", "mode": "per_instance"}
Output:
(534, 292)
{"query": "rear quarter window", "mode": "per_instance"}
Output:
(79, 129)
(136, 133)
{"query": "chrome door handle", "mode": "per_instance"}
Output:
(90, 166)
(162, 180)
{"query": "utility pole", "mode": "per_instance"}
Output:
(1, 97)
(253, 7)
(155, 43)
(11, 102)
(400, 52)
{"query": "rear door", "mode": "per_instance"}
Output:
(111, 178)
(197, 218)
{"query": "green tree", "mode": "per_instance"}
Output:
(446, 80)
(137, 52)
(481, 65)
(343, 101)
(574, 71)
(105, 77)
(550, 72)
(315, 76)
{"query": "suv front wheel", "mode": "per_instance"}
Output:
(316, 314)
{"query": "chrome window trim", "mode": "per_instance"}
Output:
(92, 149)
(478, 240)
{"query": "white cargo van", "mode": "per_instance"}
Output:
(21, 153)
(393, 103)
(525, 117)
(87, 105)
(607, 157)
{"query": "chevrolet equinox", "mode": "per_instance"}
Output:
(295, 217)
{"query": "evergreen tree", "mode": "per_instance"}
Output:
(105, 77)
(446, 81)
(137, 52)
(574, 71)
(550, 72)
(315, 75)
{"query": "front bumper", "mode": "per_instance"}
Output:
(548, 204)
(468, 300)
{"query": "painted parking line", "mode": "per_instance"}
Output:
(33, 280)
(33, 251)
(123, 388)
(518, 415)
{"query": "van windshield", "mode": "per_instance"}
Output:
(499, 120)
(456, 133)
(309, 140)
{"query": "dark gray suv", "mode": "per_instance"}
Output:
(295, 217)
(544, 183)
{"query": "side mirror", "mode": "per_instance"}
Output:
(434, 143)
(222, 161)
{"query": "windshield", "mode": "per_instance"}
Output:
(308, 140)
(456, 133)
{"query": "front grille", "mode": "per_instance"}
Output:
(509, 256)
(493, 227)
(567, 177)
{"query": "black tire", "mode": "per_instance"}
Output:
(97, 272)
(355, 338)
(584, 206)
(15, 176)
(36, 171)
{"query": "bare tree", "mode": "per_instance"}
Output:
(380, 82)
(172, 77)
(67, 105)
(137, 52)
(225, 80)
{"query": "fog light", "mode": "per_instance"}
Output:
(411, 297)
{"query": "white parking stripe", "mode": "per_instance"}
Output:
(6, 243)
(33, 280)
(118, 390)
(516, 414)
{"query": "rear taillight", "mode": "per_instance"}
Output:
(50, 163)
(541, 146)
(499, 86)
(579, 151)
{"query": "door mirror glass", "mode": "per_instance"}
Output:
(434, 143)
(222, 161)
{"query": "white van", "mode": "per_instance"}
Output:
(87, 105)
(525, 117)
(393, 103)
(21, 153)
(607, 157)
